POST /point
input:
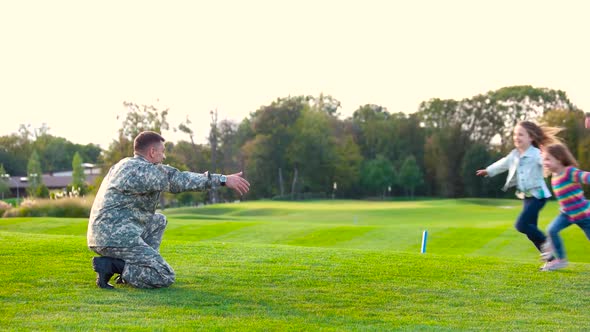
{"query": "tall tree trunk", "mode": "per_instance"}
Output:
(193, 167)
(294, 184)
(281, 186)
(213, 138)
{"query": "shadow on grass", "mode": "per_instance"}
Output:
(491, 202)
(202, 217)
(199, 211)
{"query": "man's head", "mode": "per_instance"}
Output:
(150, 145)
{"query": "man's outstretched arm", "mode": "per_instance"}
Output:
(190, 181)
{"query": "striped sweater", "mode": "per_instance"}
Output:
(569, 193)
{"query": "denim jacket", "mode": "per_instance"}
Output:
(524, 171)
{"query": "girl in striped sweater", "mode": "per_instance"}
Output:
(566, 180)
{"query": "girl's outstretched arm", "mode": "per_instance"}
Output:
(481, 172)
(579, 176)
(496, 168)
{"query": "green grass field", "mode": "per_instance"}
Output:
(326, 265)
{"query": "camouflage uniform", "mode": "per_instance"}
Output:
(123, 223)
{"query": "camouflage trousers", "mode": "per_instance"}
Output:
(144, 266)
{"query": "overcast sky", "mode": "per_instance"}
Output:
(71, 64)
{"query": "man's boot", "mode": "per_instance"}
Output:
(104, 271)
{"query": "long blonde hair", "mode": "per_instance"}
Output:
(541, 134)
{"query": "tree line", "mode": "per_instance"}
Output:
(298, 147)
(31, 152)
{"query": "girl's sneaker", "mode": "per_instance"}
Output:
(547, 251)
(555, 264)
(547, 256)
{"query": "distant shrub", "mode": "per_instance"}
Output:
(77, 207)
(186, 198)
(11, 201)
(284, 197)
(300, 196)
(42, 191)
(4, 207)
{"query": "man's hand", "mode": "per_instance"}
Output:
(237, 183)
(481, 172)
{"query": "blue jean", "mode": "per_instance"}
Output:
(562, 222)
(528, 219)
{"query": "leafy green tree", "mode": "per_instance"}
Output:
(313, 151)
(474, 116)
(477, 117)
(527, 101)
(327, 104)
(55, 153)
(186, 156)
(4, 185)
(583, 153)
(267, 162)
(370, 123)
(403, 136)
(118, 149)
(213, 144)
(444, 150)
(141, 118)
(494, 113)
(42, 191)
(15, 150)
(257, 152)
(78, 176)
(439, 113)
(34, 174)
(572, 123)
(347, 168)
(214, 140)
(574, 135)
(517, 103)
(229, 147)
(228, 140)
(377, 175)
(476, 157)
(192, 156)
(410, 175)
(185, 128)
(137, 119)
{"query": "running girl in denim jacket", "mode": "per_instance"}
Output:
(525, 172)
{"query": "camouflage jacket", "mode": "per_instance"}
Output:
(128, 198)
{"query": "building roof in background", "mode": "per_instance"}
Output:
(51, 181)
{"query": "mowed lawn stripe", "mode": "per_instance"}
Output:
(49, 286)
(330, 236)
(189, 230)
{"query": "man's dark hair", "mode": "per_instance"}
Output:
(145, 139)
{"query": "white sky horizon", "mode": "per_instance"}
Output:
(72, 64)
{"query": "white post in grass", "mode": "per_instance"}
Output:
(424, 237)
